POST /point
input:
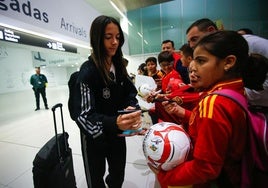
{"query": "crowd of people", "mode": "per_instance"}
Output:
(217, 126)
(211, 60)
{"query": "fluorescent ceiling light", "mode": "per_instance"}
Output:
(120, 12)
(139, 34)
(117, 9)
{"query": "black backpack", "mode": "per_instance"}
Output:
(74, 96)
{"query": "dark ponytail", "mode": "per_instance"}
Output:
(254, 71)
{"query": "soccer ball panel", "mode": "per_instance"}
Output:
(145, 89)
(166, 145)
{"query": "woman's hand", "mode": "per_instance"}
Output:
(130, 121)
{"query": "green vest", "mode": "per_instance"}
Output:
(38, 81)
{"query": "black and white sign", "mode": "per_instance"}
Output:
(11, 35)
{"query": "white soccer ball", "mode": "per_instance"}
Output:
(145, 89)
(166, 145)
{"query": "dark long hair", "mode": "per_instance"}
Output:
(255, 72)
(99, 55)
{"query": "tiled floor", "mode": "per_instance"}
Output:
(23, 132)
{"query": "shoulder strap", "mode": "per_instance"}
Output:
(256, 159)
(235, 96)
(260, 117)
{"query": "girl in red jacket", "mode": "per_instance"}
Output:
(217, 125)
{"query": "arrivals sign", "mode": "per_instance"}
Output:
(11, 35)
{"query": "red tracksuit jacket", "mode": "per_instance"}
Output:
(217, 128)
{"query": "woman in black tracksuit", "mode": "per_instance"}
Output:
(105, 88)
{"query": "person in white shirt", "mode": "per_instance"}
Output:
(258, 45)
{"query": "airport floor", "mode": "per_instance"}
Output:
(24, 131)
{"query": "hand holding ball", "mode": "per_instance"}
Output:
(166, 145)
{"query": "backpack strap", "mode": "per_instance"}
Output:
(242, 101)
(254, 160)
(235, 96)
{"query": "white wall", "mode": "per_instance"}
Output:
(15, 68)
(17, 65)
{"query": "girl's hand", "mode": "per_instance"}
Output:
(174, 108)
(154, 169)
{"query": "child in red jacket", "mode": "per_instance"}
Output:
(217, 125)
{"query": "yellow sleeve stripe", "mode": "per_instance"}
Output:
(206, 106)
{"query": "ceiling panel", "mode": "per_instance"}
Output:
(105, 7)
(136, 4)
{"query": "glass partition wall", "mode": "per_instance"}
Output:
(151, 25)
